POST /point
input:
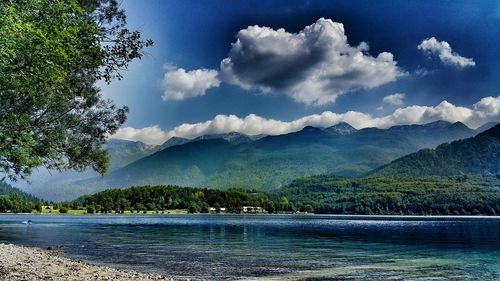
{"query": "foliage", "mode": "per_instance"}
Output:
(457, 195)
(90, 209)
(52, 53)
(460, 195)
(152, 198)
(478, 155)
(15, 201)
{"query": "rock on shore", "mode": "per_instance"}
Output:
(32, 264)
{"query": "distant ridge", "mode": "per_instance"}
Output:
(486, 126)
(231, 137)
(256, 162)
(7, 189)
(173, 141)
(236, 160)
(477, 155)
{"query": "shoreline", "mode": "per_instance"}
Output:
(31, 264)
(263, 214)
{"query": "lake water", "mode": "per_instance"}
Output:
(273, 247)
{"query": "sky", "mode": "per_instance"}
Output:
(273, 67)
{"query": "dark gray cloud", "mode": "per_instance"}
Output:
(313, 66)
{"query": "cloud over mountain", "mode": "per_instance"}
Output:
(179, 84)
(148, 135)
(443, 50)
(487, 109)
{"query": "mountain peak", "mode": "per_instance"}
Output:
(310, 129)
(459, 124)
(173, 141)
(231, 137)
(121, 143)
(438, 123)
(342, 128)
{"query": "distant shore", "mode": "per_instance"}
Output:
(183, 212)
(32, 264)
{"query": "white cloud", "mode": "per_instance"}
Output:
(443, 50)
(485, 110)
(394, 99)
(148, 135)
(313, 66)
(179, 84)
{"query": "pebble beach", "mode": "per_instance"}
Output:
(32, 264)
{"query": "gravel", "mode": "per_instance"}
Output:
(30, 264)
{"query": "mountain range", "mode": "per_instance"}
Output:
(258, 162)
(457, 178)
(476, 155)
(47, 184)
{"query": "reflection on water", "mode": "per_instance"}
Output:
(256, 247)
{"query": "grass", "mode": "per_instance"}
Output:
(76, 212)
(83, 212)
(172, 211)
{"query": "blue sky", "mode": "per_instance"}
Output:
(317, 87)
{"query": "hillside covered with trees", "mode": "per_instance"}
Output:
(477, 155)
(195, 200)
(270, 162)
(460, 195)
(14, 200)
(458, 178)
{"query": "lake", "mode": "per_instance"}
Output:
(273, 247)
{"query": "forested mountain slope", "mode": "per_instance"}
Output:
(477, 155)
(234, 160)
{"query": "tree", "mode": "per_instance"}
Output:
(52, 54)
(193, 208)
(150, 206)
(306, 208)
(5, 204)
(217, 208)
(38, 207)
(205, 208)
(124, 204)
(107, 204)
(139, 207)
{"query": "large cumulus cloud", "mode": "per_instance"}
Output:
(485, 110)
(313, 66)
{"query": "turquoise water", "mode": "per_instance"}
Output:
(269, 247)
